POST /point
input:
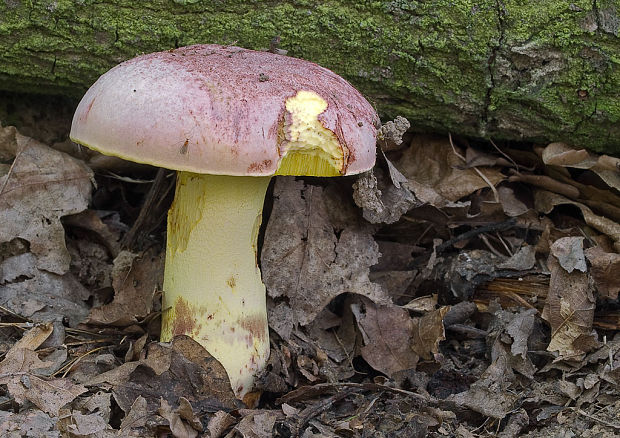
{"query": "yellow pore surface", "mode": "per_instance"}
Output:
(312, 149)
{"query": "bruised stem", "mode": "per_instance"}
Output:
(212, 284)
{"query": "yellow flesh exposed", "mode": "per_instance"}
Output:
(312, 149)
(212, 288)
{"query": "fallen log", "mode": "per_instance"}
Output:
(511, 69)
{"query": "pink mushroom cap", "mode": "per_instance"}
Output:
(217, 109)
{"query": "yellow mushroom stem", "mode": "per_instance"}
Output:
(212, 283)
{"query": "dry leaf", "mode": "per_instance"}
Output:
(21, 359)
(490, 395)
(257, 424)
(511, 333)
(569, 252)
(191, 373)
(387, 335)
(99, 402)
(41, 186)
(383, 201)
(522, 260)
(560, 154)
(79, 425)
(90, 220)
(422, 304)
(29, 423)
(605, 271)
(178, 427)
(135, 283)
(512, 205)
(41, 295)
(220, 423)
(545, 202)
(303, 259)
(187, 413)
(136, 416)
(520, 328)
(431, 162)
(427, 332)
(47, 395)
(569, 309)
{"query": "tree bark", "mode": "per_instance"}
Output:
(512, 69)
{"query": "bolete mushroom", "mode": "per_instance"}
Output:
(227, 119)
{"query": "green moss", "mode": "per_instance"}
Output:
(463, 66)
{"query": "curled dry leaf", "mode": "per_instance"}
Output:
(422, 304)
(305, 261)
(431, 162)
(220, 423)
(561, 154)
(569, 309)
(178, 427)
(547, 183)
(605, 271)
(90, 220)
(545, 202)
(427, 332)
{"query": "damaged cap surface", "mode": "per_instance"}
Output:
(227, 110)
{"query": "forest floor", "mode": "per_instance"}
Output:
(463, 288)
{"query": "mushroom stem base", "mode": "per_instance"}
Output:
(212, 284)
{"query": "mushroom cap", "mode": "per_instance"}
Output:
(224, 110)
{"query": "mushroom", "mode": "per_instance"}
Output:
(227, 119)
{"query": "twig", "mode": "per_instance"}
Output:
(598, 420)
(500, 226)
(491, 228)
(373, 387)
(480, 174)
(322, 406)
(153, 199)
(504, 154)
(547, 183)
(71, 364)
(495, 251)
(13, 314)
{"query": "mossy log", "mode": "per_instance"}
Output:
(512, 69)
